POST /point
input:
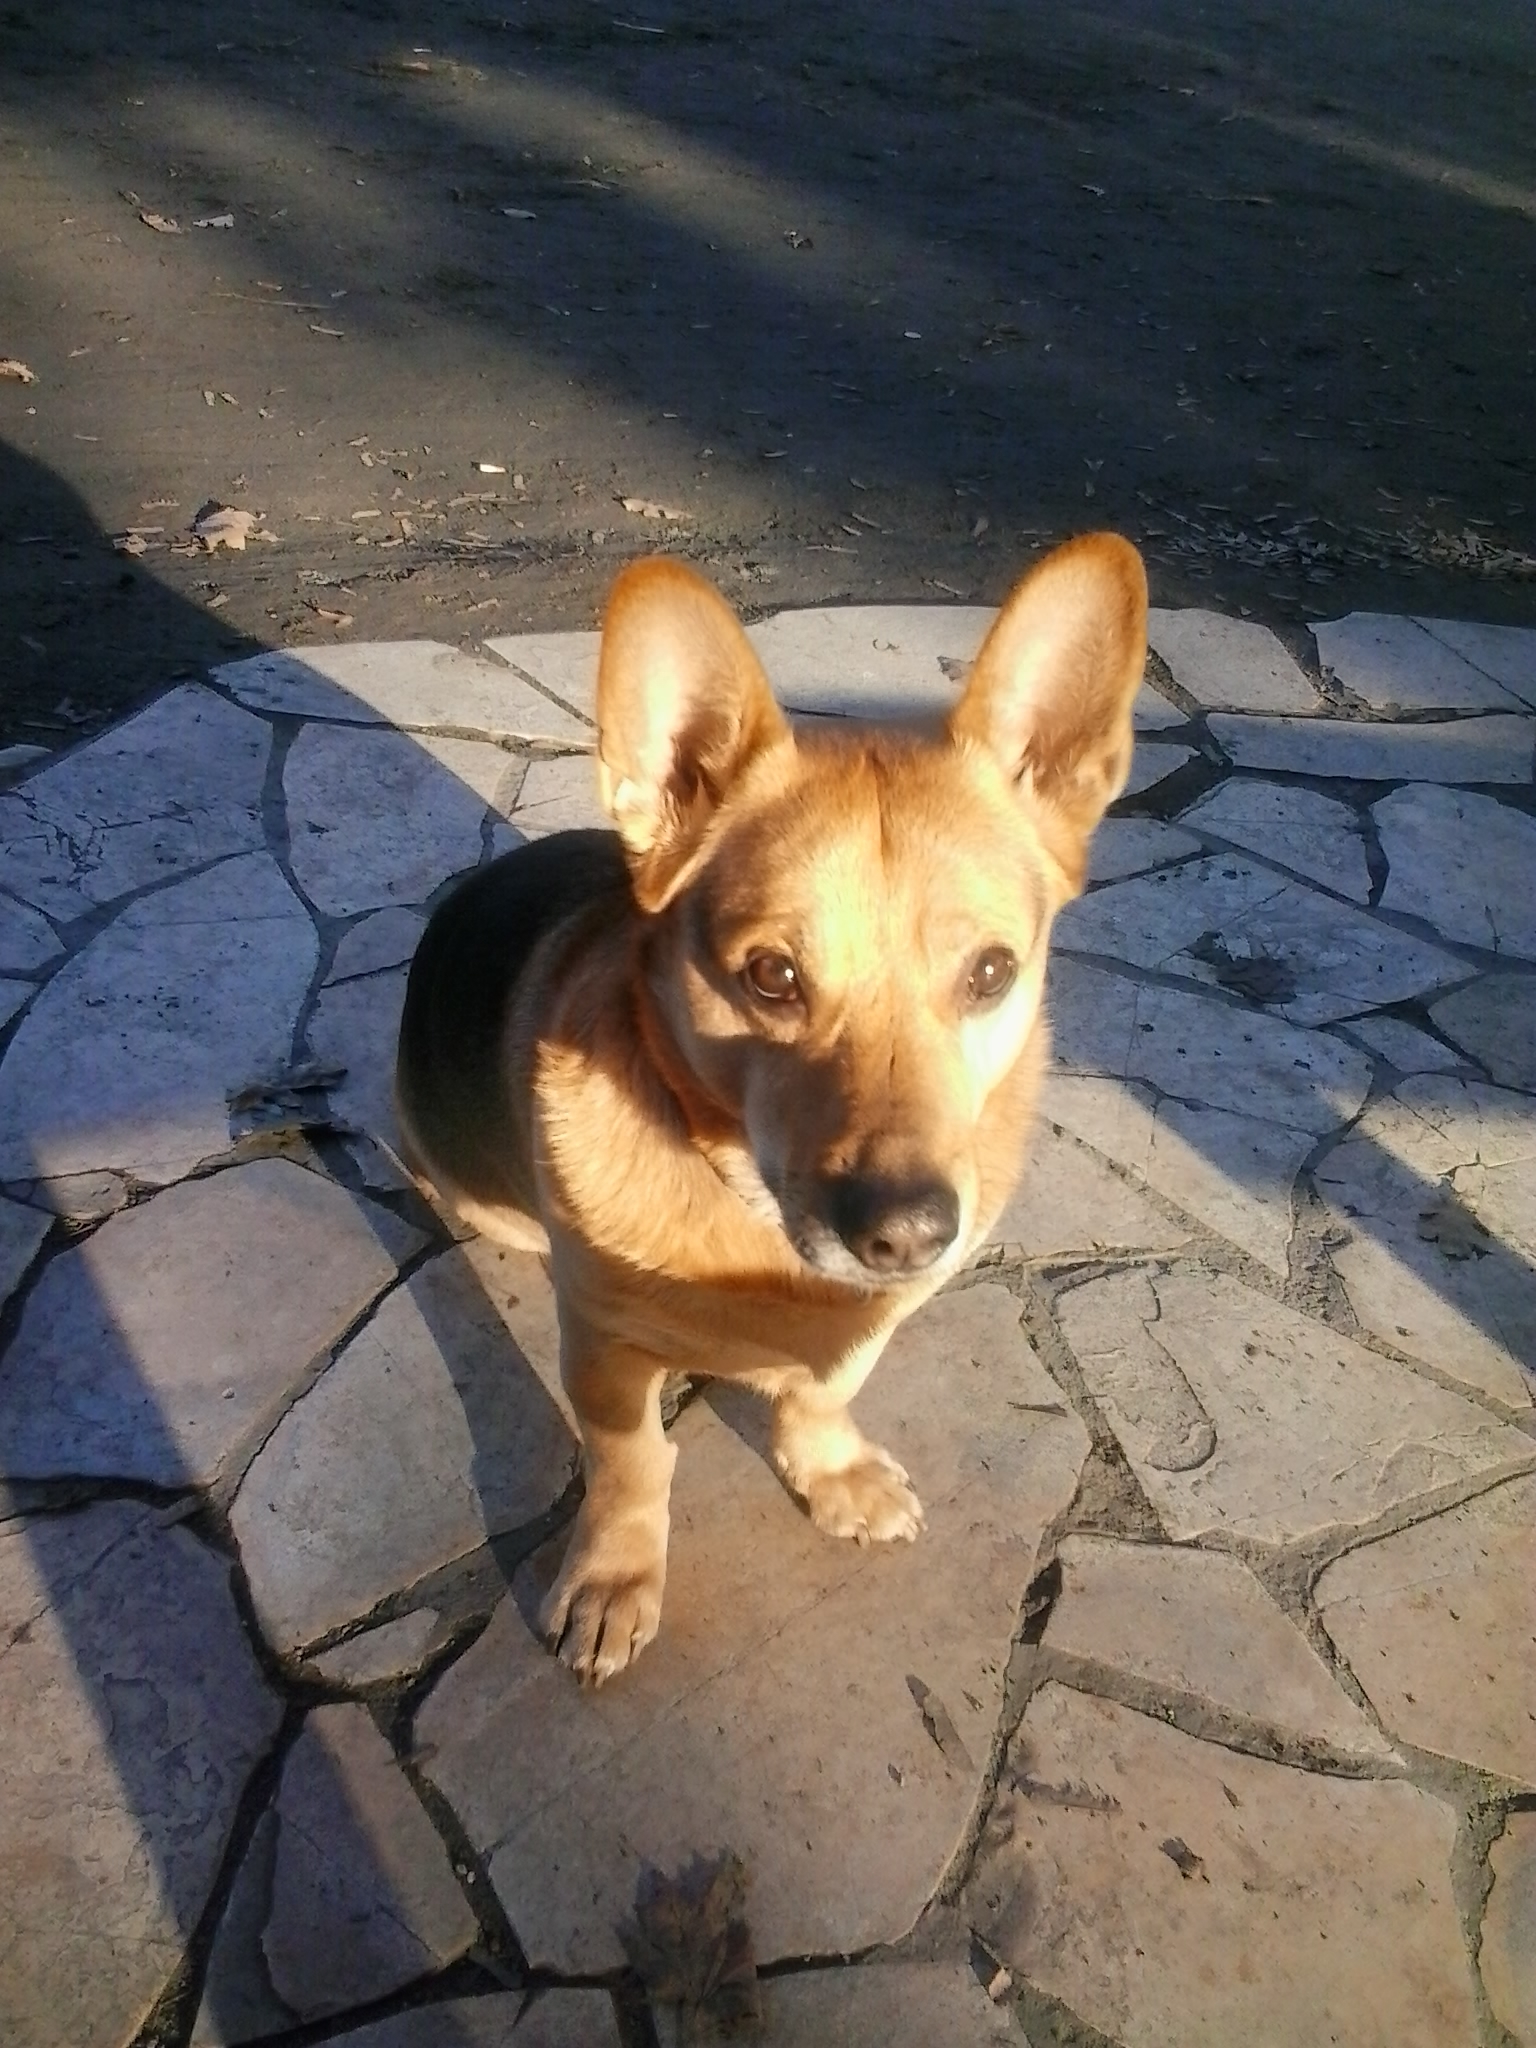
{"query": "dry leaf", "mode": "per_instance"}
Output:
(1449, 1223)
(337, 619)
(131, 544)
(689, 1941)
(160, 224)
(1183, 1858)
(225, 526)
(647, 508)
(336, 333)
(937, 1720)
(16, 371)
(215, 220)
(518, 213)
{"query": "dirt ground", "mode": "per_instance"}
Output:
(879, 298)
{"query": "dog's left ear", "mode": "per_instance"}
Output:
(1050, 693)
(682, 706)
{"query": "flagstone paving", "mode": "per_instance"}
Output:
(1202, 1710)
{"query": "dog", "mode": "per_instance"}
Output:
(755, 1068)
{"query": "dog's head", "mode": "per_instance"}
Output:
(848, 928)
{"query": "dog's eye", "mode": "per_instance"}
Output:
(991, 975)
(772, 976)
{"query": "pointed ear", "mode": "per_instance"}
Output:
(682, 707)
(1051, 690)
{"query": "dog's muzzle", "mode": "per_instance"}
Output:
(893, 1228)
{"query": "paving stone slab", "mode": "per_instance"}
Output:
(172, 788)
(1495, 1021)
(82, 1197)
(13, 994)
(384, 938)
(1395, 665)
(1238, 1414)
(1422, 1169)
(134, 1713)
(559, 796)
(1199, 1623)
(1438, 1623)
(1329, 961)
(1507, 653)
(774, 1714)
(1230, 664)
(1486, 749)
(1234, 1173)
(1070, 1200)
(125, 1059)
(419, 683)
(1507, 1954)
(356, 1025)
(565, 664)
(19, 760)
(27, 940)
(555, 2019)
(428, 1433)
(1296, 828)
(238, 2003)
(22, 1230)
(1463, 862)
(871, 661)
(394, 1650)
(363, 1897)
(1154, 763)
(1167, 1890)
(1410, 1050)
(883, 2005)
(174, 1331)
(379, 818)
(1129, 846)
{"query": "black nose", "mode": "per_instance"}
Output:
(894, 1226)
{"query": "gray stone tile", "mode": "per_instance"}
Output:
(883, 2005)
(82, 1197)
(774, 1705)
(1395, 665)
(1230, 664)
(178, 1328)
(1507, 1954)
(356, 1025)
(134, 1713)
(1334, 961)
(1201, 1049)
(408, 683)
(238, 2003)
(1296, 828)
(1300, 1909)
(1410, 1050)
(1198, 1623)
(379, 818)
(564, 663)
(1507, 653)
(556, 2019)
(558, 796)
(125, 1059)
(363, 1897)
(870, 661)
(385, 938)
(1463, 862)
(27, 940)
(1436, 1624)
(12, 995)
(394, 1650)
(1422, 1169)
(428, 1433)
(1490, 749)
(1495, 1021)
(1153, 763)
(1069, 1200)
(1238, 1414)
(18, 761)
(1129, 846)
(22, 1230)
(168, 790)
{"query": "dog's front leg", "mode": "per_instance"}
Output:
(850, 1486)
(605, 1605)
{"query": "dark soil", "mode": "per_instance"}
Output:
(883, 297)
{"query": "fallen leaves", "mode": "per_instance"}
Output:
(1449, 1223)
(690, 1944)
(647, 508)
(16, 371)
(940, 1726)
(1183, 1858)
(226, 526)
(160, 223)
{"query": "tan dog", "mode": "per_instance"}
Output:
(758, 1067)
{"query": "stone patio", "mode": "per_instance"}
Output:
(1204, 1712)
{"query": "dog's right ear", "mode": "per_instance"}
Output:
(682, 706)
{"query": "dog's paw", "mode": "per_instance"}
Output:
(872, 1501)
(597, 1619)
